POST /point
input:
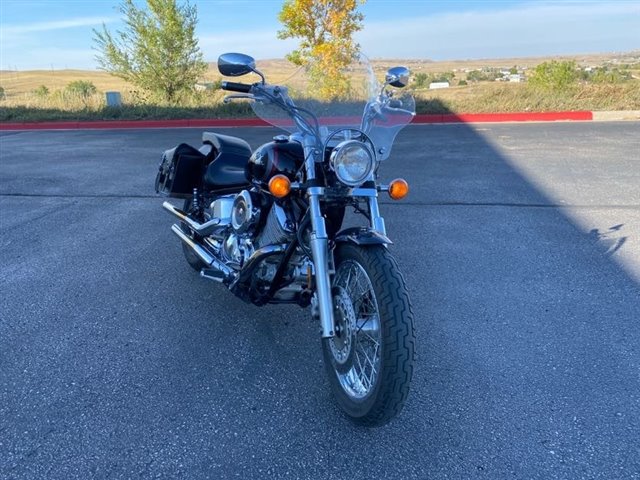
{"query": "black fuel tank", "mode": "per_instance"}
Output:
(278, 157)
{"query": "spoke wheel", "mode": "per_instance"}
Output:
(370, 359)
(356, 346)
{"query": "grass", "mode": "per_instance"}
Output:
(520, 97)
(129, 112)
(22, 104)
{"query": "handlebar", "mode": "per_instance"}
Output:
(236, 87)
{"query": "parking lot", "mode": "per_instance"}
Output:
(520, 244)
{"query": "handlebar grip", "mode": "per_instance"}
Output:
(236, 87)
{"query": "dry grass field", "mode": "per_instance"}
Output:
(22, 103)
(519, 97)
(20, 83)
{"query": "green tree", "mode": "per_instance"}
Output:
(325, 29)
(513, 70)
(157, 51)
(554, 75)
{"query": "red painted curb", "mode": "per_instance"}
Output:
(132, 124)
(256, 122)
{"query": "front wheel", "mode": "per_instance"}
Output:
(370, 359)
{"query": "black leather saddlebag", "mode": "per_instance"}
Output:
(181, 170)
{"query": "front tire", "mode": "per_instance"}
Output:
(370, 359)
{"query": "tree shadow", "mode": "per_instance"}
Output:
(431, 105)
(608, 240)
(528, 328)
(125, 112)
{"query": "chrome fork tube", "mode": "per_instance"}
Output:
(319, 245)
(377, 222)
(319, 249)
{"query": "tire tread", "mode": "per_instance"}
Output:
(398, 334)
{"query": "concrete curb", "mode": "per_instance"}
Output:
(615, 116)
(256, 122)
(505, 117)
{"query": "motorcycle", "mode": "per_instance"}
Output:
(269, 224)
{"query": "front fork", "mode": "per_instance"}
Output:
(319, 241)
(320, 249)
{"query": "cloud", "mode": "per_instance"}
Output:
(37, 45)
(259, 44)
(45, 58)
(55, 25)
(530, 29)
(540, 28)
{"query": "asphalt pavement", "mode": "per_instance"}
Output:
(520, 244)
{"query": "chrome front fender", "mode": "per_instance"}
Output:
(362, 236)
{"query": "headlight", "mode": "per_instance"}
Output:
(352, 161)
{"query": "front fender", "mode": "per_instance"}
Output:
(361, 236)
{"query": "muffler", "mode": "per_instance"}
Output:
(203, 229)
(226, 275)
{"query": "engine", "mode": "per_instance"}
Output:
(244, 214)
(277, 228)
(250, 225)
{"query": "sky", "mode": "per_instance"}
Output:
(57, 34)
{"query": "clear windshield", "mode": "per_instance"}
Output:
(349, 97)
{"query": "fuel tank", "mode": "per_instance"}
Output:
(281, 156)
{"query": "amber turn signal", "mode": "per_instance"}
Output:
(398, 189)
(279, 186)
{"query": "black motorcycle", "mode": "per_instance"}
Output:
(268, 224)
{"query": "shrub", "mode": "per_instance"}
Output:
(442, 77)
(42, 91)
(462, 83)
(479, 76)
(420, 79)
(603, 75)
(2, 94)
(554, 75)
(82, 88)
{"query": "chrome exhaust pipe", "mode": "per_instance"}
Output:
(203, 229)
(226, 274)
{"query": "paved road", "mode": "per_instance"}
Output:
(520, 244)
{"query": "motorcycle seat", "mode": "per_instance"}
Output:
(231, 155)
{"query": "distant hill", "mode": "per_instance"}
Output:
(22, 102)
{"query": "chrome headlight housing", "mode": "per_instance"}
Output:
(352, 161)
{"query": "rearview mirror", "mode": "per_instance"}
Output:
(235, 64)
(397, 77)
